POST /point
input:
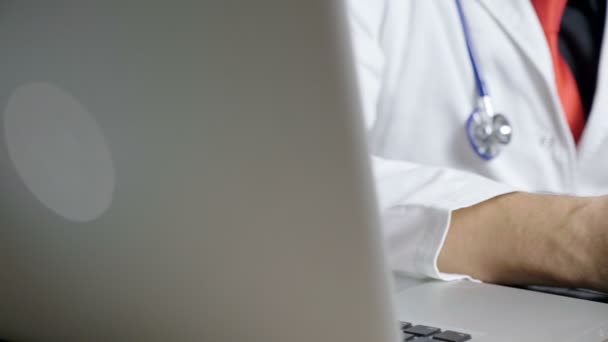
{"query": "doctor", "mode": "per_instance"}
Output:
(488, 127)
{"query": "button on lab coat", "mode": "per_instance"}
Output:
(417, 90)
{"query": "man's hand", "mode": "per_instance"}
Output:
(531, 239)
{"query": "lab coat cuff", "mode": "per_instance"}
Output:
(431, 256)
(430, 249)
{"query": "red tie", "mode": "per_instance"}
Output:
(550, 15)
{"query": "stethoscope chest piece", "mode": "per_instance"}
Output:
(488, 133)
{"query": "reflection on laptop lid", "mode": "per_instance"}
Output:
(184, 172)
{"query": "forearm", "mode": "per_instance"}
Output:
(521, 238)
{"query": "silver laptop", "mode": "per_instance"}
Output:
(196, 171)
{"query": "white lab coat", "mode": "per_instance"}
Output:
(417, 90)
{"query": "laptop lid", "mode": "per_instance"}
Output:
(189, 171)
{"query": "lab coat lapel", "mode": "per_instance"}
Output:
(519, 21)
(597, 123)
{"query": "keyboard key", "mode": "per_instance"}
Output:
(452, 336)
(422, 330)
(405, 325)
(408, 337)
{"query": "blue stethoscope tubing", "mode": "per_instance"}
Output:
(486, 130)
(479, 82)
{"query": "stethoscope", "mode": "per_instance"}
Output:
(487, 130)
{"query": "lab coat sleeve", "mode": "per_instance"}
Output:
(416, 201)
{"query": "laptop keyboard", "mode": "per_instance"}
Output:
(423, 333)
